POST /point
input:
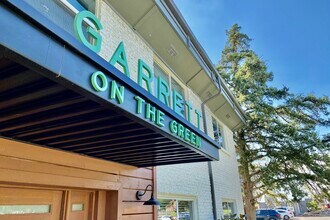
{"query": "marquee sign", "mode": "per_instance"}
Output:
(145, 73)
(67, 61)
(101, 83)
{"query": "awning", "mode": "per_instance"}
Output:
(46, 99)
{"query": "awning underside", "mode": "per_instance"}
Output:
(37, 110)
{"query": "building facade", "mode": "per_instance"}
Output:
(191, 182)
(94, 94)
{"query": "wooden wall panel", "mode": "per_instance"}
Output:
(41, 167)
(136, 207)
(139, 173)
(138, 217)
(134, 183)
(27, 151)
(33, 166)
(130, 195)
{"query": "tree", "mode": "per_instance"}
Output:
(312, 206)
(279, 148)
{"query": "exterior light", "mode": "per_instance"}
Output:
(151, 201)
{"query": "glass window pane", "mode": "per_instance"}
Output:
(176, 86)
(217, 132)
(185, 210)
(61, 14)
(220, 139)
(24, 209)
(215, 129)
(167, 209)
(77, 207)
(228, 210)
(158, 72)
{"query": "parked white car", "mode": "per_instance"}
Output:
(284, 214)
(288, 209)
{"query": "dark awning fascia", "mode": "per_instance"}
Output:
(69, 44)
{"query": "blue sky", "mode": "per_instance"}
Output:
(291, 36)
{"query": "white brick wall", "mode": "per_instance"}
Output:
(187, 179)
(116, 30)
(193, 180)
(184, 179)
(226, 176)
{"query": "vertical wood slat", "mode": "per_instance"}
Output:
(29, 164)
(136, 208)
(139, 217)
(100, 204)
(154, 181)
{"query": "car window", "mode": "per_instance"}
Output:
(273, 212)
(264, 212)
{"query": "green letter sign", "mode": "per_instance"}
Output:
(96, 83)
(78, 29)
(120, 57)
(145, 74)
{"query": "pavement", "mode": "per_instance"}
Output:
(311, 218)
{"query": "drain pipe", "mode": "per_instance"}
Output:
(209, 164)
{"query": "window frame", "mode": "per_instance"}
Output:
(73, 9)
(234, 207)
(171, 76)
(178, 198)
(219, 129)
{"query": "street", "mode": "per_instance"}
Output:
(312, 218)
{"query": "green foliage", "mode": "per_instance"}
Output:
(233, 217)
(312, 206)
(279, 149)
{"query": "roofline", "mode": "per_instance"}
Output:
(211, 70)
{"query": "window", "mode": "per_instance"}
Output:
(40, 203)
(24, 209)
(173, 84)
(62, 12)
(176, 86)
(81, 5)
(228, 210)
(217, 132)
(175, 209)
(160, 73)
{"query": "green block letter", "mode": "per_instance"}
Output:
(189, 108)
(78, 29)
(145, 74)
(120, 57)
(95, 82)
(199, 116)
(139, 102)
(178, 103)
(163, 92)
(117, 92)
(174, 127)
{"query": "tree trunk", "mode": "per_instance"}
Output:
(249, 200)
